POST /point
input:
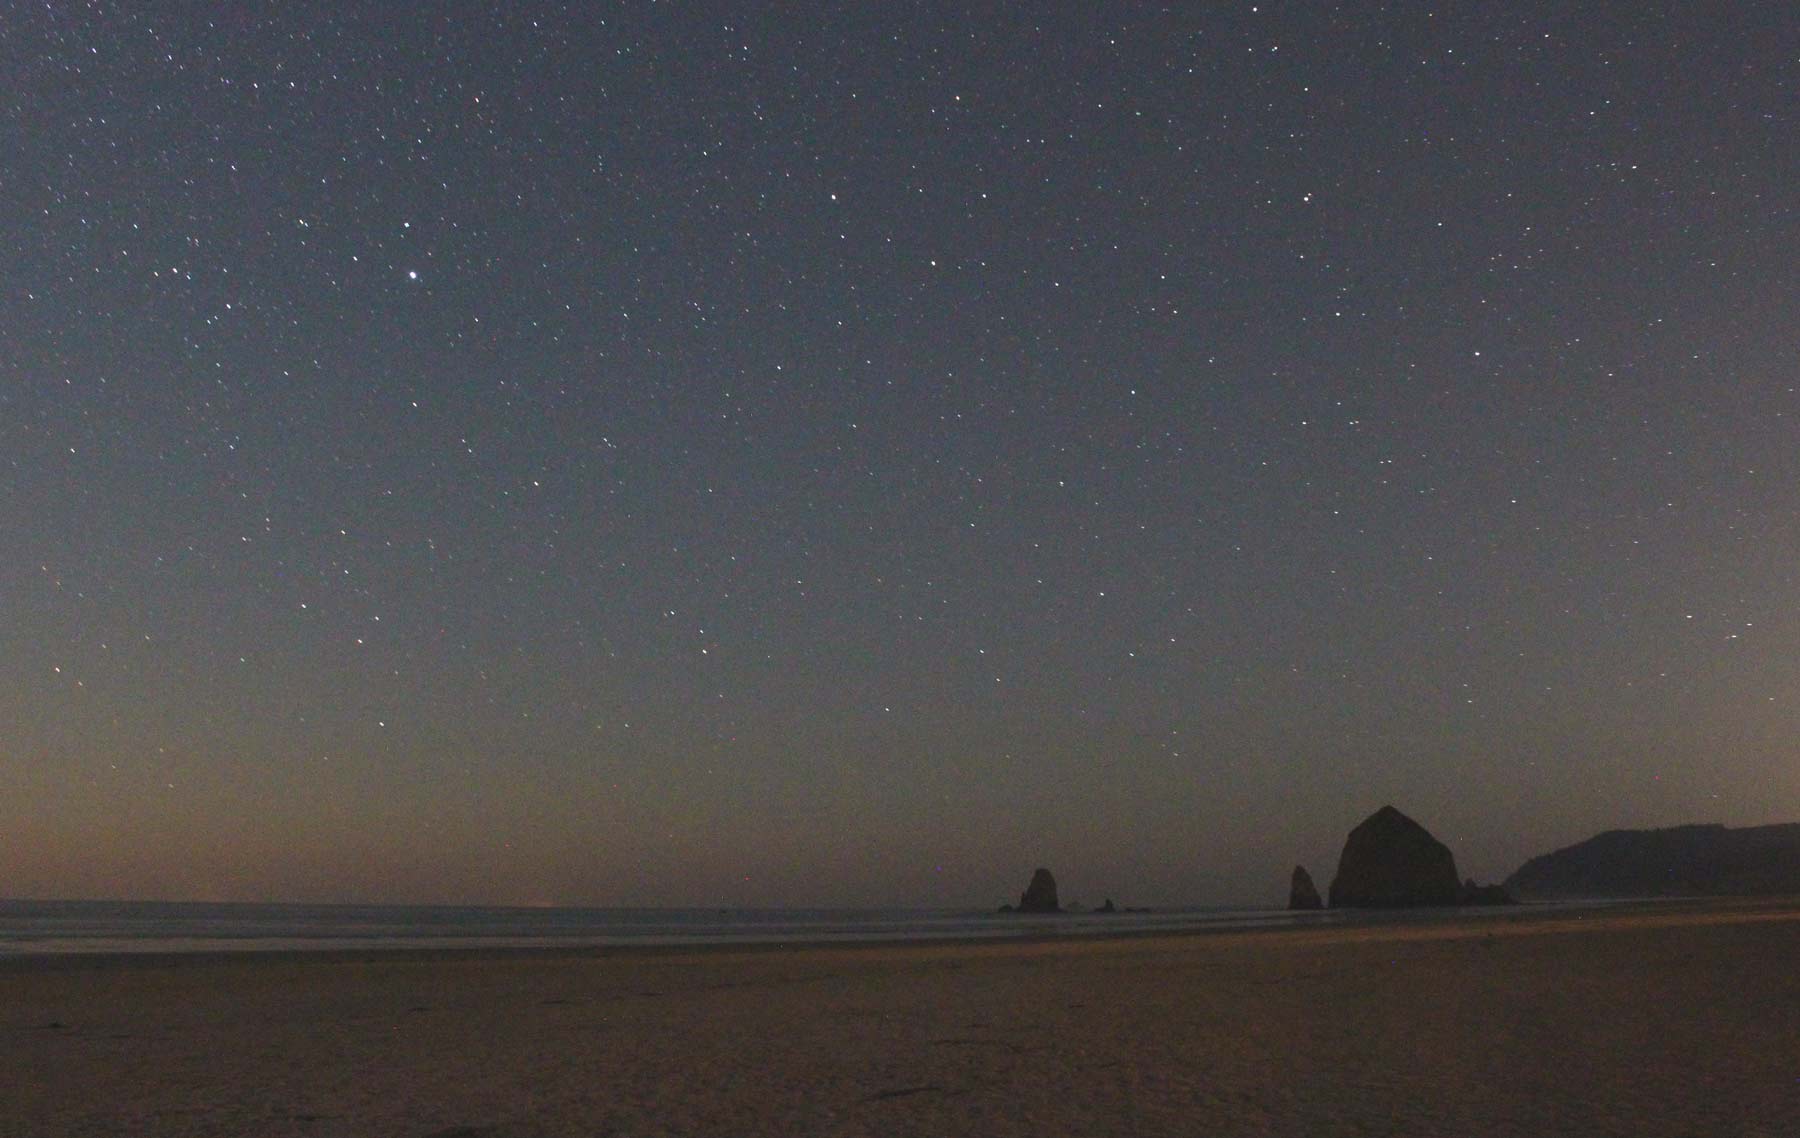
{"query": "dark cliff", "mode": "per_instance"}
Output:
(1682, 861)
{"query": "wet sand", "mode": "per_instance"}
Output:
(1668, 1020)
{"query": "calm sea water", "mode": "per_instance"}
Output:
(31, 928)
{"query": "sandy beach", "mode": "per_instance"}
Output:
(1668, 1020)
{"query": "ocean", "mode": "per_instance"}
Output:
(46, 928)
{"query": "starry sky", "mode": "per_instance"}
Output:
(664, 453)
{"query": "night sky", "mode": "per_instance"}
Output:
(663, 454)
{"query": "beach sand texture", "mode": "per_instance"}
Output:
(1670, 1021)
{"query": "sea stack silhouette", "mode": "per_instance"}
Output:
(1390, 862)
(1040, 895)
(1302, 893)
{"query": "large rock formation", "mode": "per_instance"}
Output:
(1390, 861)
(1302, 893)
(1682, 861)
(1040, 895)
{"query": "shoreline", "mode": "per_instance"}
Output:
(1448, 923)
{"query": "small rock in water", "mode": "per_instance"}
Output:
(1473, 894)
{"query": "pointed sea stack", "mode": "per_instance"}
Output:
(1390, 862)
(1302, 893)
(1040, 895)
